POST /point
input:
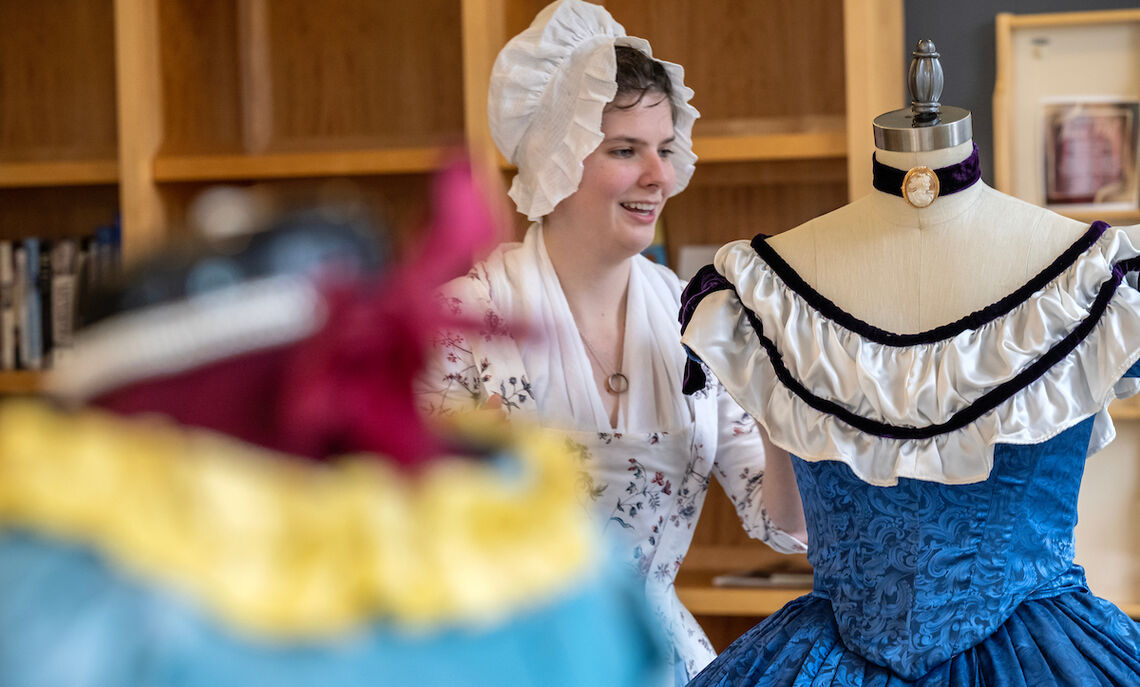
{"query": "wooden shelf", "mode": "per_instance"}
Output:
(21, 382)
(771, 138)
(224, 167)
(61, 173)
(697, 592)
(735, 601)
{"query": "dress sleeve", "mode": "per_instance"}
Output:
(451, 380)
(739, 467)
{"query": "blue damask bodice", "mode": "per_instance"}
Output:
(919, 571)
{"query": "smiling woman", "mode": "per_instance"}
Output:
(580, 332)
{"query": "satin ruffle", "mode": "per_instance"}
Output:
(915, 386)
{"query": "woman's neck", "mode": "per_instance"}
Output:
(594, 286)
(596, 292)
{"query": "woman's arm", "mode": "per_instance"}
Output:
(780, 493)
(757, 477)
(451, 380)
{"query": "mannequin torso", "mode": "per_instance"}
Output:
(906, 269)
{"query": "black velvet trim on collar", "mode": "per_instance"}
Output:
(972, 321)
(709, 281)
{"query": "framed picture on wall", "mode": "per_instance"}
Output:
(1090, 153)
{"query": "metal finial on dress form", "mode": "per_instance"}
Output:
(927, 124)
(925, 82)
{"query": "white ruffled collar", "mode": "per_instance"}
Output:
(931, 405)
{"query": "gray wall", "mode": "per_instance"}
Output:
(963, 31)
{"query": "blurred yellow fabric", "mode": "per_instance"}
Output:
(285, 547)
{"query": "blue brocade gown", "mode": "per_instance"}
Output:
(942, 550)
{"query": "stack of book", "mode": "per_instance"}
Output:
(41, 282)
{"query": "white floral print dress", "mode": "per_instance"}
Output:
(647, 477)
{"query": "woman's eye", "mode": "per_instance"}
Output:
(622, 152)
(665, 152)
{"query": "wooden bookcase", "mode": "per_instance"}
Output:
(132, 107)
(135, 106)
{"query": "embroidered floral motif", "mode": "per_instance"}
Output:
(493, 325)
(588, 486)
(608, 438)
(518, 393)
(451, 304)
(462, 378)
(690, 497)
(753, 481)
(465, 380)
(642, 558)
(743, 424)
(645, 490)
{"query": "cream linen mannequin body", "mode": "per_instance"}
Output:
(906, 269)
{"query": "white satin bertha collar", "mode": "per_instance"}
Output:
(932, 405)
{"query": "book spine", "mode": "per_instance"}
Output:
(116, 247)
(32, 337)
(43, 284)
(64, 296)
(19, 287)
(7, 307)
(104, 256)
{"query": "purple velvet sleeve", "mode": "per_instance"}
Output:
(707, 280)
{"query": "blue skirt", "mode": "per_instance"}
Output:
(1072, 639)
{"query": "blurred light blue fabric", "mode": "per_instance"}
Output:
(68, 619)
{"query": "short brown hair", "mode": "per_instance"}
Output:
(638, 74)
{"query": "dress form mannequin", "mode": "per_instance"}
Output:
(908, 269)
(923, 460)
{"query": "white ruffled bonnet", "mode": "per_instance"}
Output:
(548, 89)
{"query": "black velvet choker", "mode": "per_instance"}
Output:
(949, 179)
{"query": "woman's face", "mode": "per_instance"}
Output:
(625, 181)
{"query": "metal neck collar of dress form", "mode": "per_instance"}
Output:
(920, 186)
